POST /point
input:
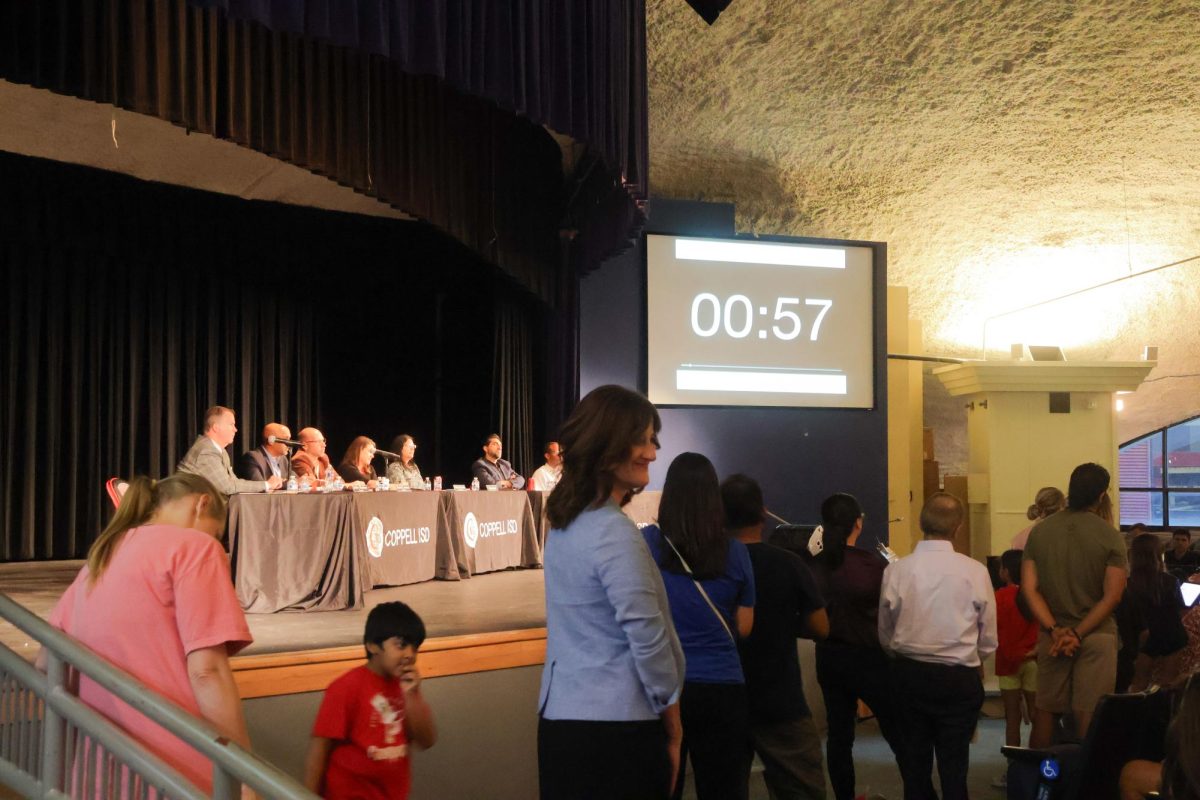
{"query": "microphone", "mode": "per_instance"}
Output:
(388, 454)
(281, 440)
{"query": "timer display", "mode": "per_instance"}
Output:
(746, 322)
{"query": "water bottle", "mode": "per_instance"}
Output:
(291, 484)
(305, 485)
(381, 484)
(437, 483)
(330, 477)
(338, 484)
(428, 484)
(474, 484)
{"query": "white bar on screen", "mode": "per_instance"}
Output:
(788, 255)
(714, 380)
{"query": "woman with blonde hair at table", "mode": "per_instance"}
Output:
(356, 464)
(608, 708)
(1049, 500)
(162, 556)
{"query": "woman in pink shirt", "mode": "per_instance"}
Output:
(156, 599)
(1049, 500)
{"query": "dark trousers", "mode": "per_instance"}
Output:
(938, 706)
(716, 728)
(586, 760)
(793, 768)
(847, 673)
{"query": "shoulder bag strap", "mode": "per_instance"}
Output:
(700, 588)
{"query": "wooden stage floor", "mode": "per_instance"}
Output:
(498, 601)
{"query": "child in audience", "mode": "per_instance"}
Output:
(1016, 657)
(370, 716)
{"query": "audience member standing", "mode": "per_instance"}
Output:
(937, 615)
(787, 605)
(156, 599)
(1016, 655)
(850, 663)
(1073, 575)
(710, 586)
(608, 706)
(1181, 560)
(1153, 599)
(1049, 500)
(209, 458)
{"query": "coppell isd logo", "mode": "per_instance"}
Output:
(375, 537)
(470, 530)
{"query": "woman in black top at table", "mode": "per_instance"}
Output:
(356, 464)
(850, 663)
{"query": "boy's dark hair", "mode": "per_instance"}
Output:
(743, 500)
(1011, 561)
(1088, 482)
(393, 619)
(1182, 532)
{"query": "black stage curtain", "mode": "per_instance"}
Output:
(514, 387)
(490, 178)
(130, 307)
(578, 67)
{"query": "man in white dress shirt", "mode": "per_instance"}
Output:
(937, 616)
(547, 475)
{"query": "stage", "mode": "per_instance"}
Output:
(492, 621)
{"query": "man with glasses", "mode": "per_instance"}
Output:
(310, 460)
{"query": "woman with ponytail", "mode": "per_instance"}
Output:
(850, 663)
(1048, 500)
(155, 598)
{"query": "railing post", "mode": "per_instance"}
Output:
(53, 726)
(225, 786)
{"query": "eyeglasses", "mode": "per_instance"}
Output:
(313, 441)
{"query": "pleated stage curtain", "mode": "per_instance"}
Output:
(489, 177)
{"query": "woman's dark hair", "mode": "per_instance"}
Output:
(1145, 567)
(356, 447)
(691, 515)
(839, 513)
(1088, 482)
(1181, 767)
(138, 504)
(597, 438)
(398, 446)
(393, 619)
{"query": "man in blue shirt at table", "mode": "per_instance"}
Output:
(492, 469)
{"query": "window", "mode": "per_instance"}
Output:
(1162, 491)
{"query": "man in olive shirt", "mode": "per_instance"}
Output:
(1072, 575)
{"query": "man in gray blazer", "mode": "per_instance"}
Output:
(209, 459)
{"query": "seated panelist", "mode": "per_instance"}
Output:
(310, 460)
(356, 464)
(209, 458)
(405, 471)
(268, 458)
(492, 469)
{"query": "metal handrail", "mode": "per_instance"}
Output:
(232, 765)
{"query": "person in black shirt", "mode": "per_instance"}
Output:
(788, 605)
(1180, 558)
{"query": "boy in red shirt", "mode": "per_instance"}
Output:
(370, 716)
(1016, 657)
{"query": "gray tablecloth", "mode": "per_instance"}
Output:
(399, 534)
(488, 531)
(296, 552)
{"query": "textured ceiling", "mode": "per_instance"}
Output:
(1007, 152)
